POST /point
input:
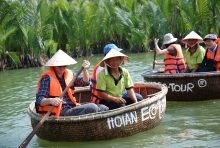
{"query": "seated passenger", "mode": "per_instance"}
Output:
(53, 82)
(113, 80)
(195, 53)
(97, 69)
(211, 61)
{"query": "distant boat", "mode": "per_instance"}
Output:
(194, 86)
(121, 122)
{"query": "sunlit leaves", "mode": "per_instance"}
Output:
(81, 25)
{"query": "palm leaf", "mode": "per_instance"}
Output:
(14, 57)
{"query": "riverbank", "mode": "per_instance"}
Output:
(12, 61)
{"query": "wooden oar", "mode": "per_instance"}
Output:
(154, 58)
(28, 139)
(155, 53)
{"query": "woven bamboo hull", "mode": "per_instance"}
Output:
(188, 86)
(122, 122)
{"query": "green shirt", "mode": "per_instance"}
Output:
(107, 84)
(195, 58)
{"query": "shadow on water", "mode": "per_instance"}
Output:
(186, 124)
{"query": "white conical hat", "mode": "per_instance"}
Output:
(192, 35)
(60, 59)
(114, 53)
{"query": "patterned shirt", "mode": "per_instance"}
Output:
(43, 91)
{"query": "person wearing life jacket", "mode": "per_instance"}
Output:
(97, 69)
(53, 82)
(173, 56)
(213, 49)
(113, 80)
(195, 53)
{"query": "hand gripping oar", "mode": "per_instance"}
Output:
(28, 139)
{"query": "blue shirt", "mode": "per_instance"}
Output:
(213, 51)
(43, 91)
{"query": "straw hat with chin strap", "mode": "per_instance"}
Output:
(114, 53)
(192, 35)
(60, 59)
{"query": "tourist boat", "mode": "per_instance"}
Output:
(117, 123)
(194, 86)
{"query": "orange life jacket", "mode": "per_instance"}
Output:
(55, 91)
(215, 56)
(94, 95)
(174, 64)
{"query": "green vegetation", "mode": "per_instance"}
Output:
(32, 29)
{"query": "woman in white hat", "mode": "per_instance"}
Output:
(113, 80)
(54, 81)
(173, 56)
(195, 53)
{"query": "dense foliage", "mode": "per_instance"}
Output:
(30, 29)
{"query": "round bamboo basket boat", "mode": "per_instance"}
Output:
(117, 123)
(195, 86)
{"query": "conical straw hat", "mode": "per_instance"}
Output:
(192, 35)
(114, 53)
(60, 59)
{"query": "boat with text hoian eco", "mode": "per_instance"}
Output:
(117, 123)
(196, 86)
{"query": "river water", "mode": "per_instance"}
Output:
(185, 124)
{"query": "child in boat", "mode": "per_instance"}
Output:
(53, 83)
(173, 56)
(113, 80)
(195, 53)
(97, 69)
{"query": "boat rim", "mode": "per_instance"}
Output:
(101, 115)
(149, 74)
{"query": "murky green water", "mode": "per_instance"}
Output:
(186, 124)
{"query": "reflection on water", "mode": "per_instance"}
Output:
(191, 124)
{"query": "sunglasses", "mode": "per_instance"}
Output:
(62, 66)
